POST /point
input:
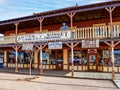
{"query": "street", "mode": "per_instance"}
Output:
(24, 82)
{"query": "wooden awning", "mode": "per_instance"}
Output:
(87, 12)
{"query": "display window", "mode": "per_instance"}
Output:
(79, 57)
(22, 57)
(48, 58)
(106, 59)
(117, 57)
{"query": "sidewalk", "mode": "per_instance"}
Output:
(90, 75)
(19, 82)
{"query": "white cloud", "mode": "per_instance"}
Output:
(18, 8)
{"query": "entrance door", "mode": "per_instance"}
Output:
(92, 59)
(59, 59)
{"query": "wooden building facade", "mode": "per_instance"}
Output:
(91, 43)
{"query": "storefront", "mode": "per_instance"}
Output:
(90, 43)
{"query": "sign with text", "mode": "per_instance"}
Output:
(90, 43)
(92, 51)
(55, 45)
(60, 35)
(27, 46)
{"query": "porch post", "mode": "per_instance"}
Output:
(40, 21)
(5, 58)
(16, 49)
(16, 57)
(110, 10)
(72, 45)
(41, 65)
(113, 61)
(71, 19)
(72, 56)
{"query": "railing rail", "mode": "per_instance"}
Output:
(100, 32)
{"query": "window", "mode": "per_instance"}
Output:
(22, 57)
(79, 57)
(48, 58)
(117, 57)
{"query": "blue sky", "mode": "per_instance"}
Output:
(10, 9)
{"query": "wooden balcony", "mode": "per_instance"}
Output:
(102, 32)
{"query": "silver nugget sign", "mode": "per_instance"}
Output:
(60, 35)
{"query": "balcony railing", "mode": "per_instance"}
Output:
(101, 32)
(97, 32)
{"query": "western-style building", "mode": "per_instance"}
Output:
(78, 38)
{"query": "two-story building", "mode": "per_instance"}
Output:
(91, 41)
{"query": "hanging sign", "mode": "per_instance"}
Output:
(90, 43)
(27, 46)
(92, 51)
(55, 45)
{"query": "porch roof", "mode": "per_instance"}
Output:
(86, 12)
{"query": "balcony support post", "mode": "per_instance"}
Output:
(112, 45)
(40, 47)
(72, 45)
(16, 57)
(71, 19)
(16, 47)
(40, 21)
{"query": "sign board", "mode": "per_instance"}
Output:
(55, 45)
(90, 43)
(27, 46)
(92, 51)
(60, 35)
(106, 53)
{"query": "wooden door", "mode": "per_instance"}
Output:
(92, 60)
(59, 59)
